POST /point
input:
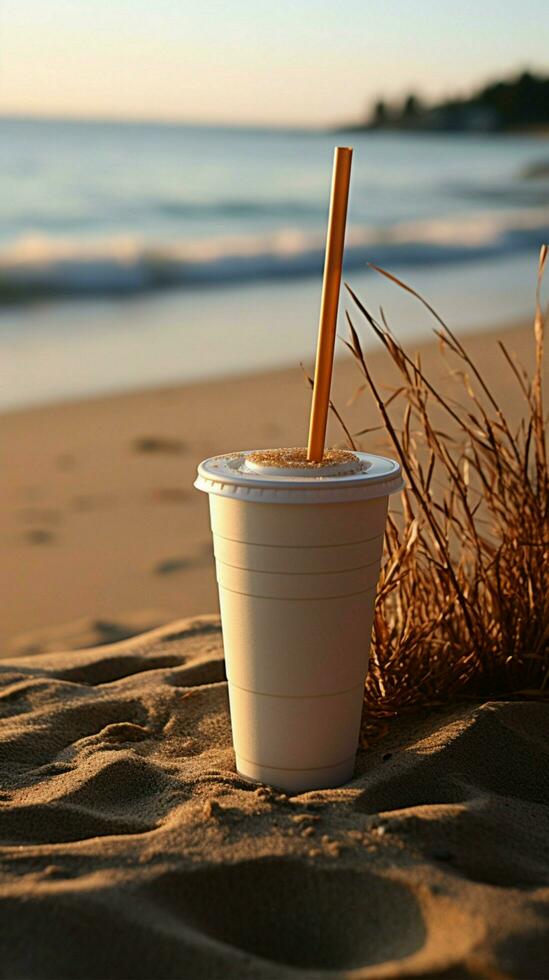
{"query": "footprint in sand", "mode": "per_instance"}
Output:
(294, 922)
(158, 444)
(40, 535)
(170, 565)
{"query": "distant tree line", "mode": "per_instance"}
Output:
(520, 102)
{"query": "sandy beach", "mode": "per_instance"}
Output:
(335, 766)
(130, 848)
(101, 528)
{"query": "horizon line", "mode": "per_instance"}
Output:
(19, 116)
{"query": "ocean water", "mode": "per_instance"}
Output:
(134, 254)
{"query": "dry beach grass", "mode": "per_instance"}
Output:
(463, 603)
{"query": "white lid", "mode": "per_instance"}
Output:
(363, 478)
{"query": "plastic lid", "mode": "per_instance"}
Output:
(363, 478)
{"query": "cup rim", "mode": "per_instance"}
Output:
(222, 475)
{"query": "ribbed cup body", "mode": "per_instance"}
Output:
(296, 589)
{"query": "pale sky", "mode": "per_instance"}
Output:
(255, 61)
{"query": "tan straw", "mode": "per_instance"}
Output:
(330, 298)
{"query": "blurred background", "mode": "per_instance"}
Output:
(164, 175)
(164, 184)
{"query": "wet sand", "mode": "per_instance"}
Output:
(100, 527)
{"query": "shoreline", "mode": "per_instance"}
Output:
(100, 523)
(104, 347)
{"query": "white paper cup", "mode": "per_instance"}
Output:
(297, 557)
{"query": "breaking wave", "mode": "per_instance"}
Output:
(37, 265)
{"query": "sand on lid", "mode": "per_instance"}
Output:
(296, 457)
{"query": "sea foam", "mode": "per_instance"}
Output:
(37, 264)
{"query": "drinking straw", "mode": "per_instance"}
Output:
(341, 176)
